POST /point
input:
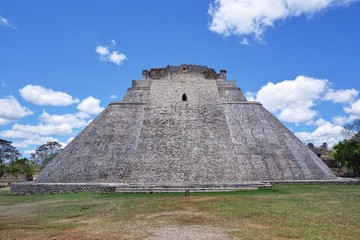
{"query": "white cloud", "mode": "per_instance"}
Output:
(69, 140)
(320, 122)
(250, 96)
(56, 124)
(73, 120)
(27, 135)
(327, 132)
(292, 100)
(64, 144)
(254, 17)
(354, 109)
(295, 101)
(245, 41)
(339, 120)
(297, 114)
(5, 22)
(51, 125)
(16, 134)
(35, 140)
(110, 56)
(341, 96)
(11, 110)
(117, 58)
(44, 129)
(90, 105)
(45, 96)
(102, 51)
(113, 96)
(29, 152)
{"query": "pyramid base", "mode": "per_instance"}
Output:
(30, 188)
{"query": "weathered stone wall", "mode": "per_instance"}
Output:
(182, 72)
(155, 137)
(178, 149)
(266, 150)
(138, 93)
(229, 92)
(44, 188)
(199, 92)
(102, 151)
(184, 142)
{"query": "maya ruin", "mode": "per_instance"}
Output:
(180, 126)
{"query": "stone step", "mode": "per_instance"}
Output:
(239, 185)
(145, 189)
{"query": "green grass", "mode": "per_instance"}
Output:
(283, 212)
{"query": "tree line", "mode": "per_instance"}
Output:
(12, 163)
(347, 151)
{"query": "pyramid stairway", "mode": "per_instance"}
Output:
(191, 189)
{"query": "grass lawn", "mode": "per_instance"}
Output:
(283, 212)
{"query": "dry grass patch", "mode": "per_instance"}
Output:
(191, 232)
(285, 212)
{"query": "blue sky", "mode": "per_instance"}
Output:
(62, 62)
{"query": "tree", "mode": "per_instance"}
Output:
(7, 153)
(348, 150)
(20, 166)
(45, 153)
(352, 129)
(348, 153)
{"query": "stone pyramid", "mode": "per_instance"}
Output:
(184, 125)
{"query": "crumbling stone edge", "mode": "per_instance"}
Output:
(338, 181)
(30, 188)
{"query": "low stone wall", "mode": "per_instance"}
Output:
(339, 180)
(29, 188)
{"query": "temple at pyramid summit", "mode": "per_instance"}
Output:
(182, 126)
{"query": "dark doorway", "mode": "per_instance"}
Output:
(184, 97)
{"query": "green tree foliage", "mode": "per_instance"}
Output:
(348, 150)
(20, 166)
(45, 153)
(8, 153)
(331, 153)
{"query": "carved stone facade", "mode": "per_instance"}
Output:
(184, 125)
